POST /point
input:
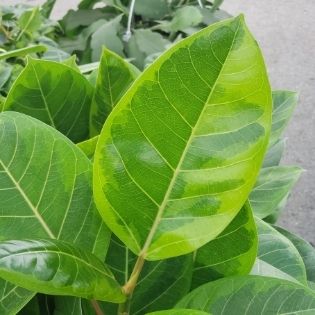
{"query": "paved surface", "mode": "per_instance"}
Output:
(285, 30)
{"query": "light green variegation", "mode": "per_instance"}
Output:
(55, 267)
(272, 187)
(45, 191)
(251, 295)
(114, 77)
(54, 93)
(277, 256)
(88, 146)
(233, 252)
(180, 153)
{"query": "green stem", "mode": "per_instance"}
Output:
(130, 285)
(23, 51)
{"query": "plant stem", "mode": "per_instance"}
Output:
(130, 15)
(97, 309)
(130, 285)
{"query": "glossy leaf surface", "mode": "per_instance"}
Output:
(45, 192)
(306, 251)
(185, 143)
(233, 252)
(276, 250)
(114, 77)
(272, 186)
(55, 267)
(54, 93)
(251, 295)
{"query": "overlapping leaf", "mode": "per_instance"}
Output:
(273, 185)
(179, 312)
(114, 77)
(45, 191)
(233, 252)
(55, 267)
(277, 256)
(251, 295)
(185, 143)
(54, 93)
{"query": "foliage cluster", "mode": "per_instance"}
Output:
(125, 191)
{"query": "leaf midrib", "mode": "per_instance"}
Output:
(162, 207)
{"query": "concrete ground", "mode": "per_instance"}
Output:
(285, 30)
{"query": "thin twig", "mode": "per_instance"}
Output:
(97, 308)
(130, 15)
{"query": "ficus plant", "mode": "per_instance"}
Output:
(151, 193)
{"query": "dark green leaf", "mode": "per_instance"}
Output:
(185, 143)
(179, 312)
(251, 295)
(56, 267)
(55, 94)
(115, 75)
(233, 252)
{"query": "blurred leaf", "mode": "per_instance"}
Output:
(210, 17)
(233, 252)
(184, 17)
(272, 186)
(5, 73)
(29, 22)
(71, 62)
(152, 9)
(115, 75)
(216, 4)
(179, 312)
(107, 35)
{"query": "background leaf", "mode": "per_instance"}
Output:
(34, 94)
(250, 295)
(273, 185)
(115, 75)
(278, 252)
(176, 128)
(233, 252)
(55, 267)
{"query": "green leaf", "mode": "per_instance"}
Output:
(70, 305)
(23, 51)
(55, 267)
(216, 4)
(55, 94)
(272, 186)
(72, 63)
(177, 157)
(115, 75)
(88, 147)
(306, 251)
(233, 252)
(284, 103)
(152, 9)
(45, 191)
(29, 21)
(274, 154)
(5, 73)
(144, 43)
(13, 298)
(251, 295)
(161, 283)
(32, 307)
(179, 312)
(276, 250)
(107, 35)
(184, 18)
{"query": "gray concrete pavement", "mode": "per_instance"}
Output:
(285, 30)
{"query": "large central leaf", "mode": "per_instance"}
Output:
(180, 152)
